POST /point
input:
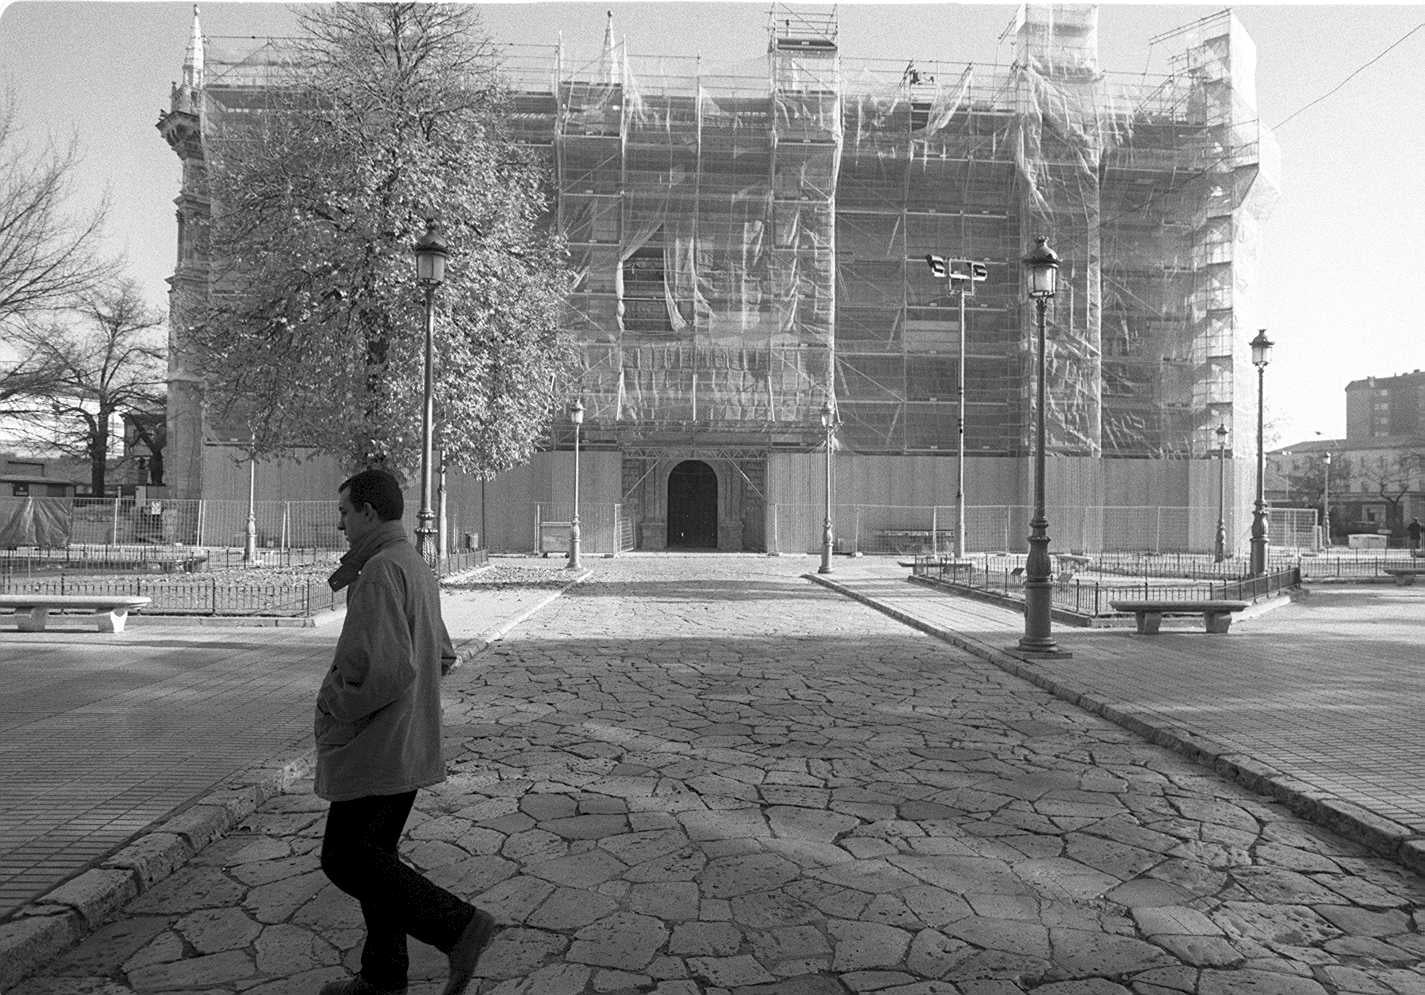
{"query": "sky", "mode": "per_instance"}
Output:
(1337, 251)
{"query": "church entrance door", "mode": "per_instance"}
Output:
(692, 506)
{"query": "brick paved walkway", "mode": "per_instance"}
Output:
(705, 775)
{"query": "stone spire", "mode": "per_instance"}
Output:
(610, 58)
(193, 58)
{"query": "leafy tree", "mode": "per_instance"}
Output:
(393, 113)
(48, 258)
(107, 361)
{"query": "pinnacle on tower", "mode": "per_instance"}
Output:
(609, 59)
(193, 58)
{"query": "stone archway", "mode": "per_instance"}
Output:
(692, 506)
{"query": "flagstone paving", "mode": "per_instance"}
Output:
(679, 780)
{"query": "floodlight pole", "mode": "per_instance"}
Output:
(960, 443)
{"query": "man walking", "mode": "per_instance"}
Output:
(378, 741)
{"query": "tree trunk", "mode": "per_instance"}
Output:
(98, 462)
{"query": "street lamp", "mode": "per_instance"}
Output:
(1261, 352)
(828, 423)
(431, 254)
(1326, 498)
(1219, 549)
(576, 418)
(249, 547)
(1042, 269)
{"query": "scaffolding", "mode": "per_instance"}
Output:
(749, 236)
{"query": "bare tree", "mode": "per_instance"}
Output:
(22, 386)
(107, 361)
(48, 257)
(1391, 476)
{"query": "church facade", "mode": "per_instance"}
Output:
(751, 239)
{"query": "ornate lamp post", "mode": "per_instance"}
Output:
(431, 254)
(1261, 352)
(1219, 549)
(828, 423)
(1041, 267)
(576, 418)
(1326, 499)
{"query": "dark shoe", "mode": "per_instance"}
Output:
(358, 986)
(467, 950)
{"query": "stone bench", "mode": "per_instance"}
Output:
(1216, 615)
(110, 611)
(1404, 576)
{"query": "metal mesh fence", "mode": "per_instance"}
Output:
(603, 529)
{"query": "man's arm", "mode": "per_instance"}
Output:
(448, 657)
(373, 665)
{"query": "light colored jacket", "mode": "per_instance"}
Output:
(378, 711)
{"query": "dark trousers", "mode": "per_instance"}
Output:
(359, 856)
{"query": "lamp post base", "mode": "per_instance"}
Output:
(1258, 565)
(1025, 653)
(576, 560)
(426, 542)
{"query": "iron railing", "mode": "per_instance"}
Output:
(216, 594)
(1004, 577)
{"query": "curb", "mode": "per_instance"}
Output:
(1381, 835)
(42, 929)
(473, 647)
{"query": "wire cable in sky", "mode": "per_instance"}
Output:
(1357, 72)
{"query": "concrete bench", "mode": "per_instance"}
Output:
(1216, 615)
(110, 610)
(1404, 576)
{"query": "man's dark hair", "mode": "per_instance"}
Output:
(378, 488)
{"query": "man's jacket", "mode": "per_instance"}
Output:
(378, 711)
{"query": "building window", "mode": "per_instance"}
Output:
(645, 292)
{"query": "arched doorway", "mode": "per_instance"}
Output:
(692, 506)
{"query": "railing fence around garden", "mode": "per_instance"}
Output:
(1004, 576)
(907, 530)
(228, 594)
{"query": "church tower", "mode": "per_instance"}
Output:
(181, 127)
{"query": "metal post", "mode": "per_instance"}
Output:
(575, 538)
(249, 548)
(425, 518)
(1219, 552)
(442, 535)
(1326, 503)
(1038, 583)
(827, 539)
(960, 444)
(1258, 566)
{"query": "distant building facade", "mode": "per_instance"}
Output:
(1376, 477)
(1385, 407)
(750, 243)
